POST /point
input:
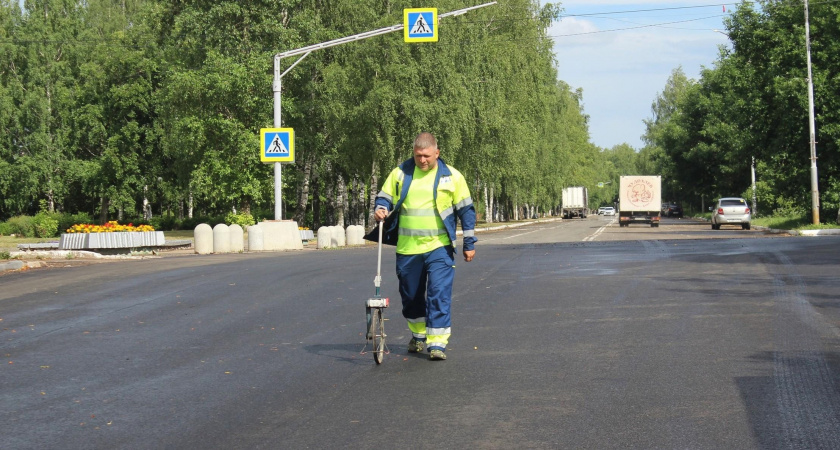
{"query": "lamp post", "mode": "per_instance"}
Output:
(815, 192)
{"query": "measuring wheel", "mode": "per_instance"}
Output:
(377, 333)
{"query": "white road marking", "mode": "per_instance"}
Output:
(592, 236)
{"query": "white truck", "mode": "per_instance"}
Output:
(575, 202)
(639, 199)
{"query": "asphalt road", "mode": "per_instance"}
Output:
(567, 334)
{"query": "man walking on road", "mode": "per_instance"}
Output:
(428, 197)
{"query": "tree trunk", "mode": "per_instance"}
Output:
(358, 205)
(316, 198)
(104, 205)
(340, 201)
(491, 211)
(303, 192)
(190, 206)
(147, 207)
(488, 211)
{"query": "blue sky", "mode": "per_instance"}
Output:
(622, 72)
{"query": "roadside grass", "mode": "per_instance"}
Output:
(10, 244)
(178, 234)
(802, 222)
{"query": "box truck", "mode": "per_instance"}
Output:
(639, 199)
(575, 202)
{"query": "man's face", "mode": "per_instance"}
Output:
(426, 158)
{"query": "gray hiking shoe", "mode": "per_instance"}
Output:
(437, 355)
(415, 345)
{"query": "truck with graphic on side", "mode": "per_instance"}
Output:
(639, 199)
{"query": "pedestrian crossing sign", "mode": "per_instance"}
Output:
(278, 145)
(420, 25)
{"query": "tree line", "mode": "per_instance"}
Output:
(128, 109)
(751, 108)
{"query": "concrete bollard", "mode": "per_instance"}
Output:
(355, 235)
(324, 237)
(237, 238)
(338, 236)
(221, 238)
(255, 239)
(203, 236)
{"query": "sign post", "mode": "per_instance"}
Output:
(423, 28)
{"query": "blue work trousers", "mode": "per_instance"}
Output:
(426, 289)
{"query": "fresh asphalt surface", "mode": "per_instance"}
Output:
(568, 334)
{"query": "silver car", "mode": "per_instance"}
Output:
(731, 211)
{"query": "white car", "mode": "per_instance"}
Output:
(731, 211)
(606, 211)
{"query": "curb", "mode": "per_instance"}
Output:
(826, 232)
(11, 265)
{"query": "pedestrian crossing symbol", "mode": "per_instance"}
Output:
(278, 145)
(420, 25)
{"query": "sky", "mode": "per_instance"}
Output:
(622, 72)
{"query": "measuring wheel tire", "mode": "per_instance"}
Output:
(377, 331)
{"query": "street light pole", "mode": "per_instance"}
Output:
(815, 192)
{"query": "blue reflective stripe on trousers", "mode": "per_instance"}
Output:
(426, 285)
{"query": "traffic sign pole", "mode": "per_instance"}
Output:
(305, 51)
(278, 167)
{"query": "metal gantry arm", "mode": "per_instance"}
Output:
(305, 51)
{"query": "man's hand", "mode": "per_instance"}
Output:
(469, 255)
(380, 214)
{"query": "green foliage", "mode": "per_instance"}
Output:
(753, 105)
(115, 105)
(66, 221)
(22, 226)
(5, 229)
(244, 220)
(44, 225)
(4, 255)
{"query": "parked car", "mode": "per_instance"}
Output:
(731, 211)
(672, 210)
(608, 210)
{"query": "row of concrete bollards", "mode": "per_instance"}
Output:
(336, 236)
(219, 239)
(230, 238)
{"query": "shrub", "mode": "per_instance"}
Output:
(164, 223)
(5, 229)
(66, 221)
(45, 225)
(243, 220)
(22, 226)
(5, 255)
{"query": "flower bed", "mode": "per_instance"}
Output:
(110, 235)
(110, 227)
